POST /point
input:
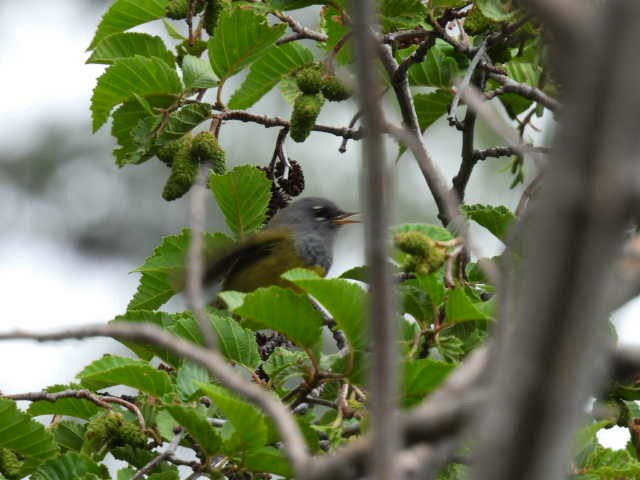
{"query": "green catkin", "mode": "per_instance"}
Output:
(310, 79)
(425, 255)
(10, 464)
(211, 15)
(205, 148)
(335, 90)
(183, 173)
(305, 111)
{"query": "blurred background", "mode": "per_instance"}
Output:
(74, 225)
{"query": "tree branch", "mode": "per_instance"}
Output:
(383, 373)
(527, 91)
(170, 450)
(300, 31)
(213, 362)
(269, 122)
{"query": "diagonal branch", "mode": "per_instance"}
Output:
(527, 91)
(157, 460)
(294, 442)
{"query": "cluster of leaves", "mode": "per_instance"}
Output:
(275, 335)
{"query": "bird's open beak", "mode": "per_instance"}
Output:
(345, 218)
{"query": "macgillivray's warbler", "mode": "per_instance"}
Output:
(300, 235)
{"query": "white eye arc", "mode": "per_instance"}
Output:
(320, 219)
(317, 207)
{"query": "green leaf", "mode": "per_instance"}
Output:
(247, 427)
(398, 14)
(605, 463)
(267, 460)
(586, 436)
(232, 299)
(236, 343)
(130, 44)
(25, 436)
(431, 106)
(496, 219)
(421, 377)
(497, 10)
(360, 273)
(70, 465)
(333, 24)
(125, 120)
(128, 78)
(153, 291)
(147, 351)
(69, 434)
(243, 195)
(168, 475)
(126, 474)
(283, 365)
(437, 69)
(345, 301)
(275, 63)
(172, 31)
(188, 374)
(197, 73)
(114, 370)
(163, 272)
(125, 14)
(196, 423)
(183, 121)
(241, 37)
(286, 311)
(71, 407)
(294, 4)
(460, 308)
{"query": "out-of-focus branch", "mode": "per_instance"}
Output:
(268, 122)
(383, 374)
(195, 265)
(213, 362)
(496, 152)
(527, 91)
(551, 354)
(625, 285)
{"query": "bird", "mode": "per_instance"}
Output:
(301, 235)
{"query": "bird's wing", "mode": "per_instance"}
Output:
(246, 252)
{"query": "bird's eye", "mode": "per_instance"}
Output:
(320, 213)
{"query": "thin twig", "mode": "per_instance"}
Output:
(170, 450)
(300, 31)
(416, 57)
(496, 152)
(268, 122)
(213, 362)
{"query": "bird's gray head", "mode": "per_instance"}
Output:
(313, 215)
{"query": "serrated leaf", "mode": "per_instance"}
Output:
(70, 465)
(247, 426)
(129, 44)
(71, 407)
(236, 343)
(197, 73)
(335, 26)
(128, 78)
(345, 301)
(286, 311)
(437, 69)
(497, 10)
(25, 436)
(421, 377)
(125, 120)
(183, 121)
(188, 374)
(496, 219)
(460, 308)
(294, 4)
(267, 460)
(275, 63)
(605, 463)
(172, 31)
(241, 36)
(196, 423)
(243, 195)
(163, 271)
(125, 14)
(69, 434)
(114, 370)
(289, 90)
(284, 364)
(431, 106)
(398, 14)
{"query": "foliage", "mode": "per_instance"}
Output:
(153, 93)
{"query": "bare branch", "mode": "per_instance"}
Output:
(170, 450)
(281, 122)
(496, 152)
(300, 31)
(527, 91)
(383, 376)
(213, 362)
